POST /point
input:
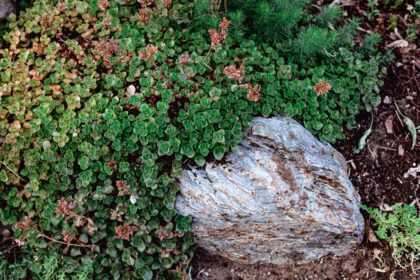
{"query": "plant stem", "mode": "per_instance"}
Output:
(64, 243)
(11, 170)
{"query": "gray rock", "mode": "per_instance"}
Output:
(6, 8)
(282, 197)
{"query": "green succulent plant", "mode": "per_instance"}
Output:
(102, 103)
(400, 229)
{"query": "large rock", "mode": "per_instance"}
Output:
(283, 197)
(6, 8)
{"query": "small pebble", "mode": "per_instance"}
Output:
(131, 90)
(400, 150)
(387, 100)
(389, 125)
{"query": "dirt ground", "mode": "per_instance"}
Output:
(368, 262)
(377, 172)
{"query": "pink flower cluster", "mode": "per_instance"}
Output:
(184, 59)
(106, 49)
(219, 37)
(235, 73)
(253, 92)
(124, 232)
(150, 50)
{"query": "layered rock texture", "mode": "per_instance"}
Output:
(282, 197)
(6, 8)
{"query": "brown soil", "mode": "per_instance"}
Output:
(377, 172)
(365, 263)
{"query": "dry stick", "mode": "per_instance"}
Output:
(64, 243)
(398, 113)
(352, 164)
(335, 3)
(364, 30)
(371, 153)
(204, 59)
(317, 7)
(386, 148)
(11, 170)
(412, 77)
(205, 64)
(338, 3)
(398, 116)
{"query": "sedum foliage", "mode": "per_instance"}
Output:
(401, 230)
(21, 5)
(103, 102)
(53, 267)
(316, 47)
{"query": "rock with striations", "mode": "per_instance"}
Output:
(282, 197)
(6, 8)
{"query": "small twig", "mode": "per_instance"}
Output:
(412, 77)
(398, 116)
(399, 113)
(205, 64)
(398, 34)
(386, 148)
(64, 243)
(335, 3)
(317, 7)
(364, 30)
(352, 164)
(371, 153)
(415, 104)
(11, 170)
(198, 18)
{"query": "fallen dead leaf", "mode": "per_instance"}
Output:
(385, 208)
(412, 172)
(398, 44)
(389, 125)
(400, 150)
(371, 236)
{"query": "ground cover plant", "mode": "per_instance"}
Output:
(4, 26)
(318, 46)
(102, 102)
(377, 172)
(400, 229)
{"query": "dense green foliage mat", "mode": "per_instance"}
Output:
(103, 102)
